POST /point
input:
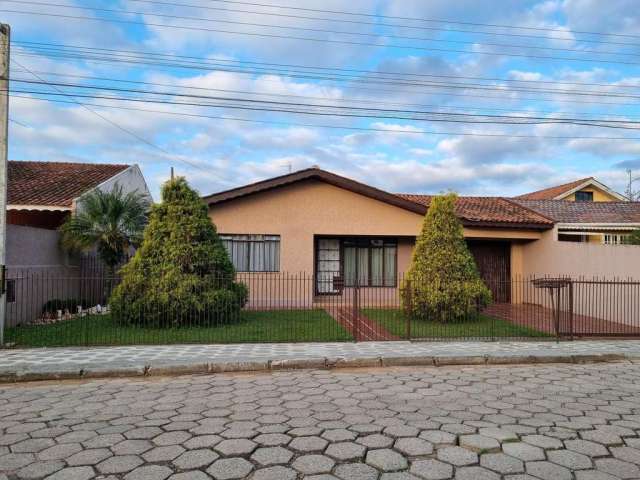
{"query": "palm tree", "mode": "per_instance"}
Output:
(111, 222)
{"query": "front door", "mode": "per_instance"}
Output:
(493, 259)
(328, 266)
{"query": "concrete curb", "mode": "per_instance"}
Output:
(316, 363)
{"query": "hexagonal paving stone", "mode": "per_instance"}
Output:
(191, 475)
(272, 439)
(171, 438)
(548, 471)
(501, 463)
(398, 431)
(542, 441)
(230, 469)
(89, 457)
(398, 476)
(195, 459)
(40, 469)
(618, 468)
(356, 471)
(475, 473)
(571, 460)
(276, 473)
(500, 434)
(479, 443)
(345, 451)
(33, 445)
(386, 460)
(149, 472)
(457, 456)
(438, 437)
(119, 464)
(144, 433)
(73, 473)
(132, 447)
(431, 469)
(594, 475)
(313, 464)
(202, 441)
(308, 444)
(375, 440)
(413, 447)
(58, 452)
(163, 454)
(523, 451)
(236, 447)
(13, 461)
(627, 454)
(272, 456)
(339, 435)
(586, 447)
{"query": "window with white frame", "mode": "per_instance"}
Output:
(253, 253)
(614, 239)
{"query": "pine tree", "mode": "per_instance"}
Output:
(181, 274)
(443, 282)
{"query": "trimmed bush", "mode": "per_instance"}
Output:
(181, 274)
(443, 283)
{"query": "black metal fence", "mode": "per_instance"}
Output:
(54, 308)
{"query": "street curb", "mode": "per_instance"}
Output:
(315, 363)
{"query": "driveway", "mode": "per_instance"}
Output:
(550, 422)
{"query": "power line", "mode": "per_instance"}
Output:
(109, 121)
(329, 106)
(340, 127)
(13, 120)
(364, 14)
(84, 49)
(308, 97)
(391, 25)
(319, 40)
(322, 30)
(214, 68)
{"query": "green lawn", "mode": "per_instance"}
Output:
(395, 322)
(262, 326)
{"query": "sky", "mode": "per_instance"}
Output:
(549, 59)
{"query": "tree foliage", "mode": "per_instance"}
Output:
(442, 282)
(110, 222)
(634, 238)
(181, 274)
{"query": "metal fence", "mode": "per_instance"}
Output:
(53, 308)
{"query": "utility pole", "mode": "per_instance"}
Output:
(630, 193)
(5, 34)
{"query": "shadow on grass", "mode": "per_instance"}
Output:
(395, 321)
(254, 327)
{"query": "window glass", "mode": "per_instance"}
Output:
(584, 196)
(253, 253)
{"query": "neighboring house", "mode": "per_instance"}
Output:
(40, 196)
(333, 229)
(583, 190)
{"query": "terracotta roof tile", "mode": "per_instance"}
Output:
(552, 192)
(490, 210)
(55, 183)
(585, 212)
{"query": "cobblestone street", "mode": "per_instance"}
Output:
(550, 422)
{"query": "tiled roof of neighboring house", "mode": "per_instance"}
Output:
(55, 184)
(585, 212)
(492, 211)
(552, 192)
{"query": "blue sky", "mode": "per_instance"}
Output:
(216, 154)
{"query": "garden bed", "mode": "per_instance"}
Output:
(395, 322)
(254, 327)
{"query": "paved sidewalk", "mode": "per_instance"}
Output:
(50, 363)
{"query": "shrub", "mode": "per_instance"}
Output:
(181, 274)
(443, 282)
(634, 238)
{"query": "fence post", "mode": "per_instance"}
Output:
(356, 317)
(571, 309)
(408, 311)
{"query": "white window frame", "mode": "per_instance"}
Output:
(255, 247)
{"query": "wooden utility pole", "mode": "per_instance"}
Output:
(5, 33)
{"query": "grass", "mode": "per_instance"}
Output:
(254, 327)
(395, 321)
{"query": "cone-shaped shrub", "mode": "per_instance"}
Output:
(181, 274)
(443, 283)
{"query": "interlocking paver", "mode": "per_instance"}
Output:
(72, 473)
(432, 469)
(230, 468)
(457, 456)
(512, 422)
(386, 460)
(313, 464)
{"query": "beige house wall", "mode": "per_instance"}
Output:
(551, 257)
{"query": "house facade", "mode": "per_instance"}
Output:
(339, 233)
